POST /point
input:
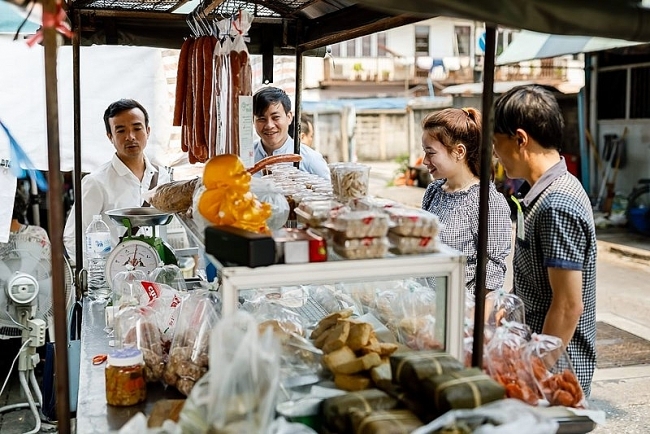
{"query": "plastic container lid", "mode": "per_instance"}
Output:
(125, 357)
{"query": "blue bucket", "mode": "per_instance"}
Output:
(639, 219)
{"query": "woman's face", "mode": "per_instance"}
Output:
(438, 160)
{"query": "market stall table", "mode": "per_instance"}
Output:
(94, 415)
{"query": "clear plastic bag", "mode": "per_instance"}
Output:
(267, 191)
(506, 416)
(170, 275)
(553, 371)
(137, 327)
(415, 313)
(243, 389)
(501, 305)
(188, 356)
(506, 364)
(125, 291)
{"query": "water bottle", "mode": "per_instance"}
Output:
(98, 246)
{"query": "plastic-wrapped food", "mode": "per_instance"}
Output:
(501, 305)
(316, 213)
(136, 327)
(170, 275)
(243, 385)
(506, 364)
(413, 316)
(125, 290)
(361, 248)
(174, 196)
(407, 245)
(370, 203)
(413, 222)
(188, 357)
(360, 224)
(267, 192)
(553, 371)
(269, 313)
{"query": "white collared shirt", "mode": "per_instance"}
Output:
(111, 186)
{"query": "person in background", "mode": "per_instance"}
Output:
(121, 182)
(272, 116)
(306, 131)
(450, 140)
(555, 251)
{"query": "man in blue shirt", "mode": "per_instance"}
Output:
(272, 116)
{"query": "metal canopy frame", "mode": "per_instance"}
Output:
(303, 25)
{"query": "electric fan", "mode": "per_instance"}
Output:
(26, 307)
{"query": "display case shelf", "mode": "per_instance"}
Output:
(447, 267)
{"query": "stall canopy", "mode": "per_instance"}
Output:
(23, 112)
(528, 45)
(619, 19)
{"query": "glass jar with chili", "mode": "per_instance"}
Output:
(125, 383)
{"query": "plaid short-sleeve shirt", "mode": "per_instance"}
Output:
(458, 212)
(559, 233)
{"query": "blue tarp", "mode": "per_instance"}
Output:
(11, 18)
(364, 103)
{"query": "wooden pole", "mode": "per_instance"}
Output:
(486, 170)
(55, 207)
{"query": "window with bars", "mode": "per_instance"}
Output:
(463, 39)
(422, 40)
(613, 99)
(366, 46)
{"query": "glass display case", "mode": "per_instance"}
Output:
(389, 277)
(372, 283)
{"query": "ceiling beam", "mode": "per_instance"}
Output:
(352, 22)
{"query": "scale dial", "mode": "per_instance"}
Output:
(141, 255)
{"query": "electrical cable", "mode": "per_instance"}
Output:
(24, 345)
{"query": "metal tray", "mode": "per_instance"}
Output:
(142, 216)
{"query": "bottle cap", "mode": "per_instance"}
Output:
(125, 357)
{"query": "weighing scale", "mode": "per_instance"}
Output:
(142, 252)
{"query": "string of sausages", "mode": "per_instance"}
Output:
(210, 78)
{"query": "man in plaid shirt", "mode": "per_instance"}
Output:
(555, 251)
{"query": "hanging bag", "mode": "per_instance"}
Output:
(74, 356)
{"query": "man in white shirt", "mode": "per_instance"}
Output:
(121, 182)
(272, 117)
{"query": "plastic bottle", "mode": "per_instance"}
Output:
(98, 246)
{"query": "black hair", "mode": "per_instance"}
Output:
(306, 124)
(452, 126)
(120, 106)
(267, 96)
(535, 110)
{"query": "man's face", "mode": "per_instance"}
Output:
(506, 149)
(129, 134)
(273, 127)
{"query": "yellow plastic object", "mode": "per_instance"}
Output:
(227, 199)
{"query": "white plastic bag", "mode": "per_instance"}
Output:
(506, 416)
(245, 376)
